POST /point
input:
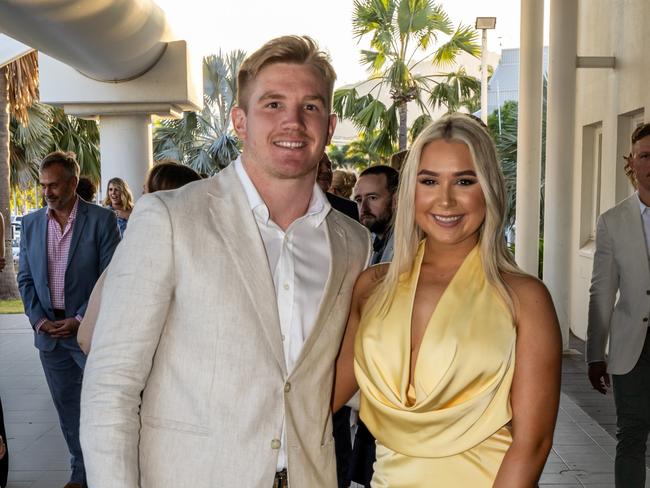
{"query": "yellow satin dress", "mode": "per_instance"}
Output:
(450, 429)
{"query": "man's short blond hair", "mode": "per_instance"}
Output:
(285, 49)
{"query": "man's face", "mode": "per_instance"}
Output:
(640, 162)
(287, 122)
(324, 175)
(375, 202)
(58, 187)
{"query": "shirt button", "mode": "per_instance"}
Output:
(275, 444)
(282, 337)
(286, 286)
(287, 387)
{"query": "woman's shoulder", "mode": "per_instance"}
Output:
(529, 294)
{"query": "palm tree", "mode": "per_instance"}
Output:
(205, 140)
(458, 90)
(401, 31)
(18, 90)
(348, 156)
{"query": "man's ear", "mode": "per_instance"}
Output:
(238, 117)
(330, 127)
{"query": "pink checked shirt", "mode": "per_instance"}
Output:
(58, 248)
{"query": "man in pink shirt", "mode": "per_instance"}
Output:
(63, 250)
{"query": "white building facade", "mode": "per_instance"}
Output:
(609, 104)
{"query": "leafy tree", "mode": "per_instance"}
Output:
(401, 31)
(18, 90)
(458, 90)
(204, 140)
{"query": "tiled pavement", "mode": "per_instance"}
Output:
(582, 452)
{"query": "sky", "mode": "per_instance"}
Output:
(247, 24)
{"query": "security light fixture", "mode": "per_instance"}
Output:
(486, 22)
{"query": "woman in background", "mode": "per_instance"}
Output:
(119, 199)
(457, 352)
(342, 183)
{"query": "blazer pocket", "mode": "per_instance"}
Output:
(167, 424)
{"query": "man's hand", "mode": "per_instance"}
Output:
(47, 327)
(65, 328)
(598, 376)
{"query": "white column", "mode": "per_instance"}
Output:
(560, 138)
(484, 77)
(126, 149)
(529, 134)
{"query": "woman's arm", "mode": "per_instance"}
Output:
(535, 392)
(345, 384)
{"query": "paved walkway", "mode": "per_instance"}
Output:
(582, 454)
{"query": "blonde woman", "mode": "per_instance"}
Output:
(119, 199)
(456, 351)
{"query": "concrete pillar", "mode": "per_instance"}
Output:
(560, 139)
(126, 149)
(529, 134)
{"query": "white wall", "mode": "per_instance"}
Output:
(611, 100)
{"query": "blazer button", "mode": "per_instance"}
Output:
(645, 319)
(647, 292)
(287, 387)
(275, 444)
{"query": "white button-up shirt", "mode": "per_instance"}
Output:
(299, 259)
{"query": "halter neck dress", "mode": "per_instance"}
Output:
(450, 428)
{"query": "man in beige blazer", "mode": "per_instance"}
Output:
(621, 266)
(225, 305)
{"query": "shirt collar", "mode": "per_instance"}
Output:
(73, 212)
(318, 208)
(642, 206)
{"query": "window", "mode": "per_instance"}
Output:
(592, 159)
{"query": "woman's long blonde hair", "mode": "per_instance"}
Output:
(495, 256)
(125, 193)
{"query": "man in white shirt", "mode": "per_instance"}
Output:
(225, 306)
(621, 266)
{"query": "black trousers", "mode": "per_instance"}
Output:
(632, 398)
(363, 455)
(342, 446)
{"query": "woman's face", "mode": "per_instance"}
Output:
(115, 194)
(449, 202)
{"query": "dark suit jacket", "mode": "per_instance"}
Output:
(343, 205)
(94, 238)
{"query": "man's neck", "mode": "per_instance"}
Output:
(62, 216)
(287, 199)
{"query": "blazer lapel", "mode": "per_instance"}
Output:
(233, 220)
(80, 222)
(635, 237)
(338, 268)
(42, 241)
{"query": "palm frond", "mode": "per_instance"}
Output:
(464, 39)
(22, 85)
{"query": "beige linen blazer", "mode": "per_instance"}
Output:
(620, 265)
(189, 319)
(87, 326)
